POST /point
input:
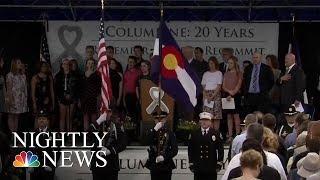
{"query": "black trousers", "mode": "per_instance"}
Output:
(161, 175)
(205, 176)
(258, 102)
(105, 175)
(131, 105)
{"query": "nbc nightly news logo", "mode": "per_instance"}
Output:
(55, 141)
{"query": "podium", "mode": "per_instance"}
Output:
(149, 96)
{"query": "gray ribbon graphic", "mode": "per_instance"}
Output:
(69, 49)
(154, 94)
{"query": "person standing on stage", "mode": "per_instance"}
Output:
(114, 143)
(258, 79)
(226, 54)
(292, 83)
(162, 148)
(205, 150)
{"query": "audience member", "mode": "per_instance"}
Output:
(258, 81)
(226, 54)
(17, 92)
(110, 51)
(231, 86)
(145, 74)
(138, 53)
(251, 163)
(256, 131)
(66, 92)
(259, 115)
(211, 82)
(266, 171)
(299, 126)
(239, 139)
(309, 165)
(270, 121)
(187, 52)
(90, 92)
(130, 80)
(292, 83)
(116, 79)
(90, 52)
(42, 92)
(200, 65)
(290, 115)
(274, 93)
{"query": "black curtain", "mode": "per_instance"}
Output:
(21, 39)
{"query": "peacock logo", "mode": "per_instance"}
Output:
(26, 159)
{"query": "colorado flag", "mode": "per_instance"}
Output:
(177, 78)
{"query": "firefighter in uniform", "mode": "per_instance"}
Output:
(113, 144)
(162, 148)
(205, 150)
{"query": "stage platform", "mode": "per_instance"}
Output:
(131, 163)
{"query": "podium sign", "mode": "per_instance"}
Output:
(149, 93)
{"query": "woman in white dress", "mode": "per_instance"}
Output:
(211, 82)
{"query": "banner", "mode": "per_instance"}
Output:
(132, 162)
(69, 38)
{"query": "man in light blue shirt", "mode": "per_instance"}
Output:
(254, 83)
(239, 139)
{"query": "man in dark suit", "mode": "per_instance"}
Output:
(162, 148)
(226, 53)
(113, 144)
(258, 80)
(205, 150)
(200, 66)
(292, 83)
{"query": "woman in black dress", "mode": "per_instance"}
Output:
(116, 82)
(67, 90)
(90, 92)
(42, 92)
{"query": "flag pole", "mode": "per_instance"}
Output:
(292, 33)
(160, 51)
(102, 10)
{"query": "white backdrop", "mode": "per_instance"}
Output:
(69, 38)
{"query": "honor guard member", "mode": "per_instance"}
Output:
(113, 144)
(162, 148)
(46, 173)
(205, 150)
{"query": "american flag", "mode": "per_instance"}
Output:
(103, 67)
(44, 49)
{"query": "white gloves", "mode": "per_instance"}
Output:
(106, 150)
(158, 126)
(159, 159)
(102, 118)
(48, 169)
